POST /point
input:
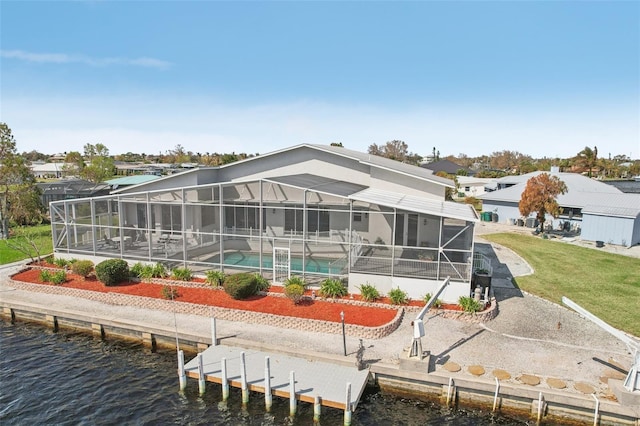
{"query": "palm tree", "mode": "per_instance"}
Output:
(588, 158)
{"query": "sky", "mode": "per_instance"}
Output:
(544, 78)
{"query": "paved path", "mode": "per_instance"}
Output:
(529, 335)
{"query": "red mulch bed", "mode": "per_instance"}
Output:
(312, 309)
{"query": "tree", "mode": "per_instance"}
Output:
(395, 150)
(449, 192)
(100, 167)
(587, 158)
(540, 195)
(73, 164)
(19, 195)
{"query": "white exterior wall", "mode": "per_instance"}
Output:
(505, 211)
(389, 181)
(612, 230)
(415, 288)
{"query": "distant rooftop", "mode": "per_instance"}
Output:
(131, 180)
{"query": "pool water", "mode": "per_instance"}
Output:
(322, 266)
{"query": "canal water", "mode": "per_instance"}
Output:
(67, 378)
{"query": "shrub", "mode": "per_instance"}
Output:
(295, 280)
(59, 277)
(369, 292)
(398, 297)
(82, 268)
(169, 292)
(436, 304)
(181, 274)
(60, 262)
(136, 270)
(295, 292)
(262, 283)
(146, 273)
(45, 276)
(240, 286)
(159, 271)
(112, 271)
(215, 278)
(332, 288)
(469, 304)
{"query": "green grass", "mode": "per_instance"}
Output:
(605, 284)
(41, 234)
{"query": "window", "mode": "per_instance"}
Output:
(357, 217)
(293, 219)
(318, 220)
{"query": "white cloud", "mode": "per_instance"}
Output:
(62, 58)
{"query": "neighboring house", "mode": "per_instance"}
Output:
(614, 221)
(312, 210)
(47, 170)
(602, 212)
(448, 167)
(68, 189)
(581, 191)
(473, 186)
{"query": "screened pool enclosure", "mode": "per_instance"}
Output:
(293, 225)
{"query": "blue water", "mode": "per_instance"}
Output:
(68, 378)
(253, 260)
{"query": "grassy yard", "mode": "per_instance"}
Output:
(605, 284)
(41, 234)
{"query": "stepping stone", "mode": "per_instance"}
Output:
(452, 367)
(501, 374)
(476, 370)
(556, 383)
(529, 379)
(585, 388)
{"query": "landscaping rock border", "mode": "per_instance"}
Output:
(219, 313)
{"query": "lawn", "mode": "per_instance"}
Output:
(41, 234)
(605, 284)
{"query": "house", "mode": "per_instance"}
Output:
(601, 212)
(311, 210)
(614, 220)
(469, 186)
(44, 170)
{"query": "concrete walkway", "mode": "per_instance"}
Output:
(530, 336)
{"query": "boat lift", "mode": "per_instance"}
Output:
(632, 381)
(418, 324)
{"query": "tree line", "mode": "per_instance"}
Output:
(20, 198)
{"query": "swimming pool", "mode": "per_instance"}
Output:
(322, 266)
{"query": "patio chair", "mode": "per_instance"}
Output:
(108, 242)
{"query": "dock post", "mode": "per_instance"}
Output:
(539, 418)
(224, 379)
(182, 377)
(347, 407)
(292, 394)
(495, 395)
(316, 409)
(243, 380)
(214, 339)
(201, 382)
(267, 384)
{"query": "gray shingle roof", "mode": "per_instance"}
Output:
(581, 190)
